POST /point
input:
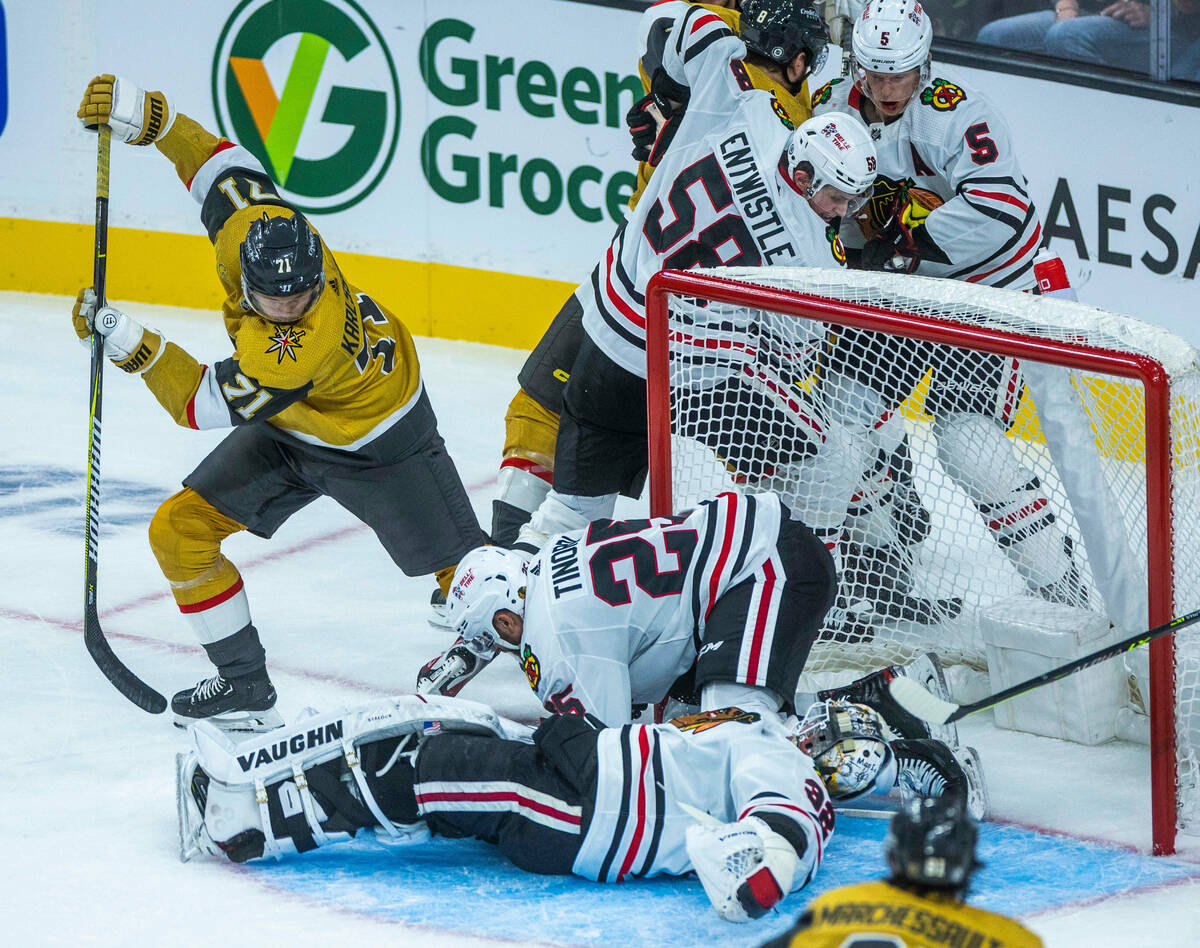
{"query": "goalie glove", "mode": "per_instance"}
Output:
(745, 867)
(654, 119)
(135, 116)
(132, 347)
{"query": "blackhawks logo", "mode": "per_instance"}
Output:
(531, 667)
(825, 93)
(285, 342)
(835, 245)
(782, 113)
(943, 96)
(709, 719)
(886, 195)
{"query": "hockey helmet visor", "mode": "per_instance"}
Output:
(890, 39)
(836, 151)
(283, 267)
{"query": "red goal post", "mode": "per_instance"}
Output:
(801, 295)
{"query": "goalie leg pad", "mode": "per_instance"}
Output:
(316, 781)
(976, 454)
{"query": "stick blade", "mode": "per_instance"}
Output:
(919, 702)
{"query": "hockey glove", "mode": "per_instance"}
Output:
(130, 346)
(745, 867)
(904, 241)
(654, 119)
(136, 116)
(446, 674)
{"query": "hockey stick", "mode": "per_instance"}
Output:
(917, 701)
(102, 654)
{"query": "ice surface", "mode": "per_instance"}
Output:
(86, 797)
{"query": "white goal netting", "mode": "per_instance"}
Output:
(946, 477)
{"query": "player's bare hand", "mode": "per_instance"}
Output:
(1129, 12)
(135, 116)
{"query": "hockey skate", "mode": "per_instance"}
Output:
(1070, 590)
(930, 768)
(447, 673)
(244, 703)
(872, 691)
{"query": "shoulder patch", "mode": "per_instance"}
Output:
(710, 719)
(943, 96)
(285, 342)
(781, 112)
(531, 667)
(825, 93)
(835, 245)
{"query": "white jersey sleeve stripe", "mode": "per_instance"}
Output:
(1028, 248)
(641, 756)
(207, 407)
(763, 613)
(498, 796)
(727, 505)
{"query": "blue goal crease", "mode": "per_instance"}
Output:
(466, 886)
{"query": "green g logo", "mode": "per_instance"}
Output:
(309, 87)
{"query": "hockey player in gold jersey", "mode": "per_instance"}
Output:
(323, 391)
(930, 850)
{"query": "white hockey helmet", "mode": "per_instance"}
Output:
(839, 154)
(892, 36)
(487, 580)
(847, 746)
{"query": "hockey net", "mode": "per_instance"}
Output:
(956, 446)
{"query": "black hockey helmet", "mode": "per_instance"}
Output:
(282, 257)
(782, 29)
(931, 843)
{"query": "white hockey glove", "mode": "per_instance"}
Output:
(745, 867)
(135, 116)
(445, 674)
(127, 342)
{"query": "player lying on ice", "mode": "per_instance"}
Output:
(716, 607)
(740, 797)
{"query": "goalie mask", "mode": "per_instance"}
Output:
(836, 151)
(890, 39)
(847, 746)
(487, 580)
(283, 267)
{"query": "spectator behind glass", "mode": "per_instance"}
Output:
(1113, 34)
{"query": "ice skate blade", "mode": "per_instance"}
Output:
(237, 721)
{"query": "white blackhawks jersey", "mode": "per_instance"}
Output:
(721, 196)
(728, 763)
(614, 613)
(953, 141)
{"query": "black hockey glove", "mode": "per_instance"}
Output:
(902, 244)
(655, 118)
